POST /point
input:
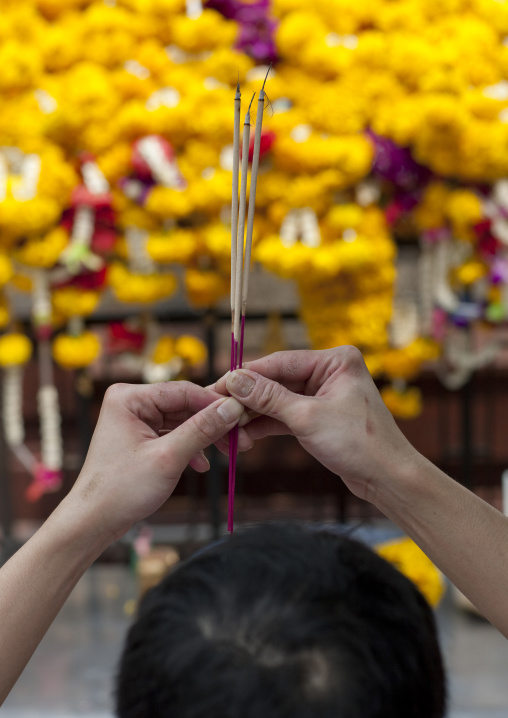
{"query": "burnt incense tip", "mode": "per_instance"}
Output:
(238, 93)
(266, 76)
(262, 94)
(247, 116)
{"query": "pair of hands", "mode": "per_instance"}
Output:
(147, 435)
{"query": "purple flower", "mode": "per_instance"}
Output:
(256, 36)
(396, 164)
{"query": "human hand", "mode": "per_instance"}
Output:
(144, 439)
(328, 400)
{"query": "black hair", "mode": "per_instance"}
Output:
(280, 621)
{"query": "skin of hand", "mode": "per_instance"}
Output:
(327, 399)
(144, 439)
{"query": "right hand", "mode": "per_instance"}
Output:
(328, 400)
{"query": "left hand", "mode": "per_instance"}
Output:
(144, 439)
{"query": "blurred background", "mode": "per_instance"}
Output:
(381, 221)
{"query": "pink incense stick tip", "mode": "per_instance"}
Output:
(233, 447)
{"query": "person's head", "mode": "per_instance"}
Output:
(283, 622)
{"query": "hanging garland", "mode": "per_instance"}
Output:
(115, 168)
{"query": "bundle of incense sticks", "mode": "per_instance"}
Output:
(241, 246)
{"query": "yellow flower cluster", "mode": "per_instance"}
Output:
(443, 206)
(76, 352)
(15, 350)
(95, 77)
(360, 247)
(73, 302)
(408, 72)
(177, 247)
(86, 76)
(142, 288)
(345, 283)
(205, 287)
(406, 363)
(43, 251)
(403, 403)
(189, 348)
(31, 205)
(405, 555)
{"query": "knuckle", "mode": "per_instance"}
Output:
(345, 358)
(116, 393)
(352, 355)
(207, 426)
(267, 397)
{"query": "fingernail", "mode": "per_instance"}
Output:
(240, 383)
(230, 410)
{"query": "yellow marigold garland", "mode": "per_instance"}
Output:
(76, 352)
(413, 563)
(15, 349)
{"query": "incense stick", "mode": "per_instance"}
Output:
(241, 222)
(240, 264)
(238, 270)
(234, 201)
(234, 244)
(252, 208)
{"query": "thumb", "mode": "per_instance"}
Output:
(265, 396)
(201, 430)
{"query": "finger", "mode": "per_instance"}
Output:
(266, 426)
(260, 427)
(200, 463)
(267, 397)
(247, 417)
(245, 442)
(158, 403)
(304, 371)
(174, 422)
(223, 446)
(290, 368)
(220, 386)
(204, 428)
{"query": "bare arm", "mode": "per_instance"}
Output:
(133, 465)
(329, 402)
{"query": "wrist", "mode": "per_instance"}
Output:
(411, 483)
(396, 483)
(75, 529)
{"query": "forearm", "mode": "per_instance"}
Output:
(464, 536)
(34, 585)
